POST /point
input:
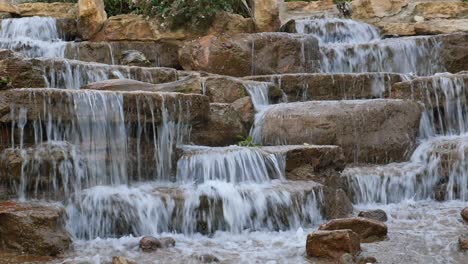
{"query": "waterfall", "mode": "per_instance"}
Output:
(336, 30)
(32, 36)
(259, 94)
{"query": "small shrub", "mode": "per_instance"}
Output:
(246, 142)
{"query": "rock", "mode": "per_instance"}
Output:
(332, 244)
(36, 229)
(245, 108)
(368, 230)
(374, 131)
(266, 15)
(346, 259)
(55, 10)
(91, 17)
(223, 129)
(134, 58)
(441, 26)
(20, 72)
(207, 258)
(364, 259)
(463, 242)
(229, 23)
(364, 9)
(121, 85)
(232, 55)
(319, 86)
(397, 28)
(418, 19)
(149, 244)
(377, 215)
(337, 204)
(455, 51)
(431, 10)
(7, 7)
(312, 7)
(167, 242)
(129, 27)
(122, 260)
(464, 214)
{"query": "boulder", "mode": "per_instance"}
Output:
(431, 10)
(365, 9)
(224, 127)
(397, 28)
(336, 204)
(332, 244)
(441, 26)
(368, 230)
(134, 58)
(122, 260)
(149, 244)
(246, 110)
(121, 85)
(91, 17)
(36, 229)
(374, 131)
(455, 51)
(19, 72)
(377, 215)
(311, 7)
(464, 214)
(266, 15)
(229, 23)
(55, 10)
(251, 54)
(463, 242)
(6, 6)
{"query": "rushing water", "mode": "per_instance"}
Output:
(32, 37)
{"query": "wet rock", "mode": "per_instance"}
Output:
(134, 58)
(368, 230)
(167, 242)
(91, 17)
(332, 244)
(378, 215)
(464, 214)
(374, 131)
(224, 127)
(56, 10)
(36, 229)
(207, 258)
(463, 242)
(337, 204)
(122, 260)
(251, 54)
(149, 244)
(364, 9)
(266, 15)
(318, 86)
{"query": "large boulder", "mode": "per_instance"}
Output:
(20, 72)
(336, 203)
(91, 17)
(229, 23)
(455, 51)
(332, 244)
(55, 10)
(251, 54)
(375, 131)
(266, 15)
(365, 9)
(35, 229)
(368, 230)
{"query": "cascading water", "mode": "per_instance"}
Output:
(32, 37)
(259, 93)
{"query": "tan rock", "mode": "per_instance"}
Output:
(363, 128)
(367, 229)
(397, 28)
(229, 23)
(463, 242)
(441, 26)
(266, 15)
(312, 6)
(56, 10)
(91, 17)
(430, 10)
(122, 260)
(121, 85)
(246, 110)
(332, 244)
(464, 214)
(33, 229)
(6, 6)
(19, 71)
(363, 9)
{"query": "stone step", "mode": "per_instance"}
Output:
(339, 86)
(375, 131)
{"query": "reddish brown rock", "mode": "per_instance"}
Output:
(463, 242)
(464, 214)
(36, 229)
(332, 244)
(368, 230)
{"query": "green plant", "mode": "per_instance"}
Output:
(246, 142)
